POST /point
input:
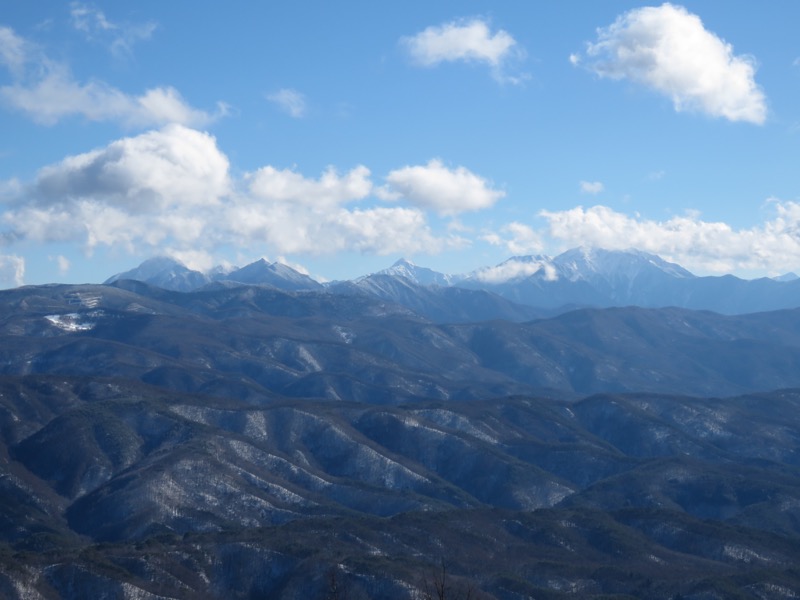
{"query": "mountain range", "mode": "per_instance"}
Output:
(546, 428)
(519, 289)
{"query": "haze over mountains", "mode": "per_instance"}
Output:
(546, 427)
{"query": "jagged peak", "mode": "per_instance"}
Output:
(403, 262)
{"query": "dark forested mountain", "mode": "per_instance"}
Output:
(256, 341)
(243, 441)
(111, 488)
(440, 304)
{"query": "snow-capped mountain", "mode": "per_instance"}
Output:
(275, 274)
(583, 277)
(576, 278)
(613, 266)
(418, 275)
(791, 276)
(164, 272)
(170, 274)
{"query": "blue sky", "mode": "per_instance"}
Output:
(339, 137)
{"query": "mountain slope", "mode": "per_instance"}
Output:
(592, 277)
(439, 304)
(646, 495)
(418, 275)
(166, 273)
(519, 289)
(273, 274)
(257, 342)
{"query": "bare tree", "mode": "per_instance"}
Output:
(336, 589)
(440, 588)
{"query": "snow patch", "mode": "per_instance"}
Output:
(744, 554)
(346, 334)
(70, 322)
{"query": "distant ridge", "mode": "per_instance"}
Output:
(164, 272)
(530, 286)
(419, 275)
(171, 274)
(275, 274)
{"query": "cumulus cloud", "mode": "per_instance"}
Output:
(688, 239)
(518, 238)
(170, 191)
(155, 170)
(140, 190)
(305, 215)
(12, 270)
(286, 185)
(47, 92)
(434, 186)
(592, 187)
(290, 101)
(669, 50)
(465, 40)
(297, 229)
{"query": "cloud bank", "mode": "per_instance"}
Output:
(668, 49)
(704, 246)
(171, 190)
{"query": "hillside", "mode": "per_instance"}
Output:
(244, 441)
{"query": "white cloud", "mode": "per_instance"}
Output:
(13, 51)
(120, 37)
(434, 186)
(514, 269)
(193, 258)
(88, 19)
(47, 92)
(57, 95)
(669, 50)
(519, 239)
(465, 40)
(286, 185)
(169, 191)
(300, 229)
(688, 240)
(63, 263)
(143, 190)
(290, 101)
(155, 170)
(12, 270)
(592, 187)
